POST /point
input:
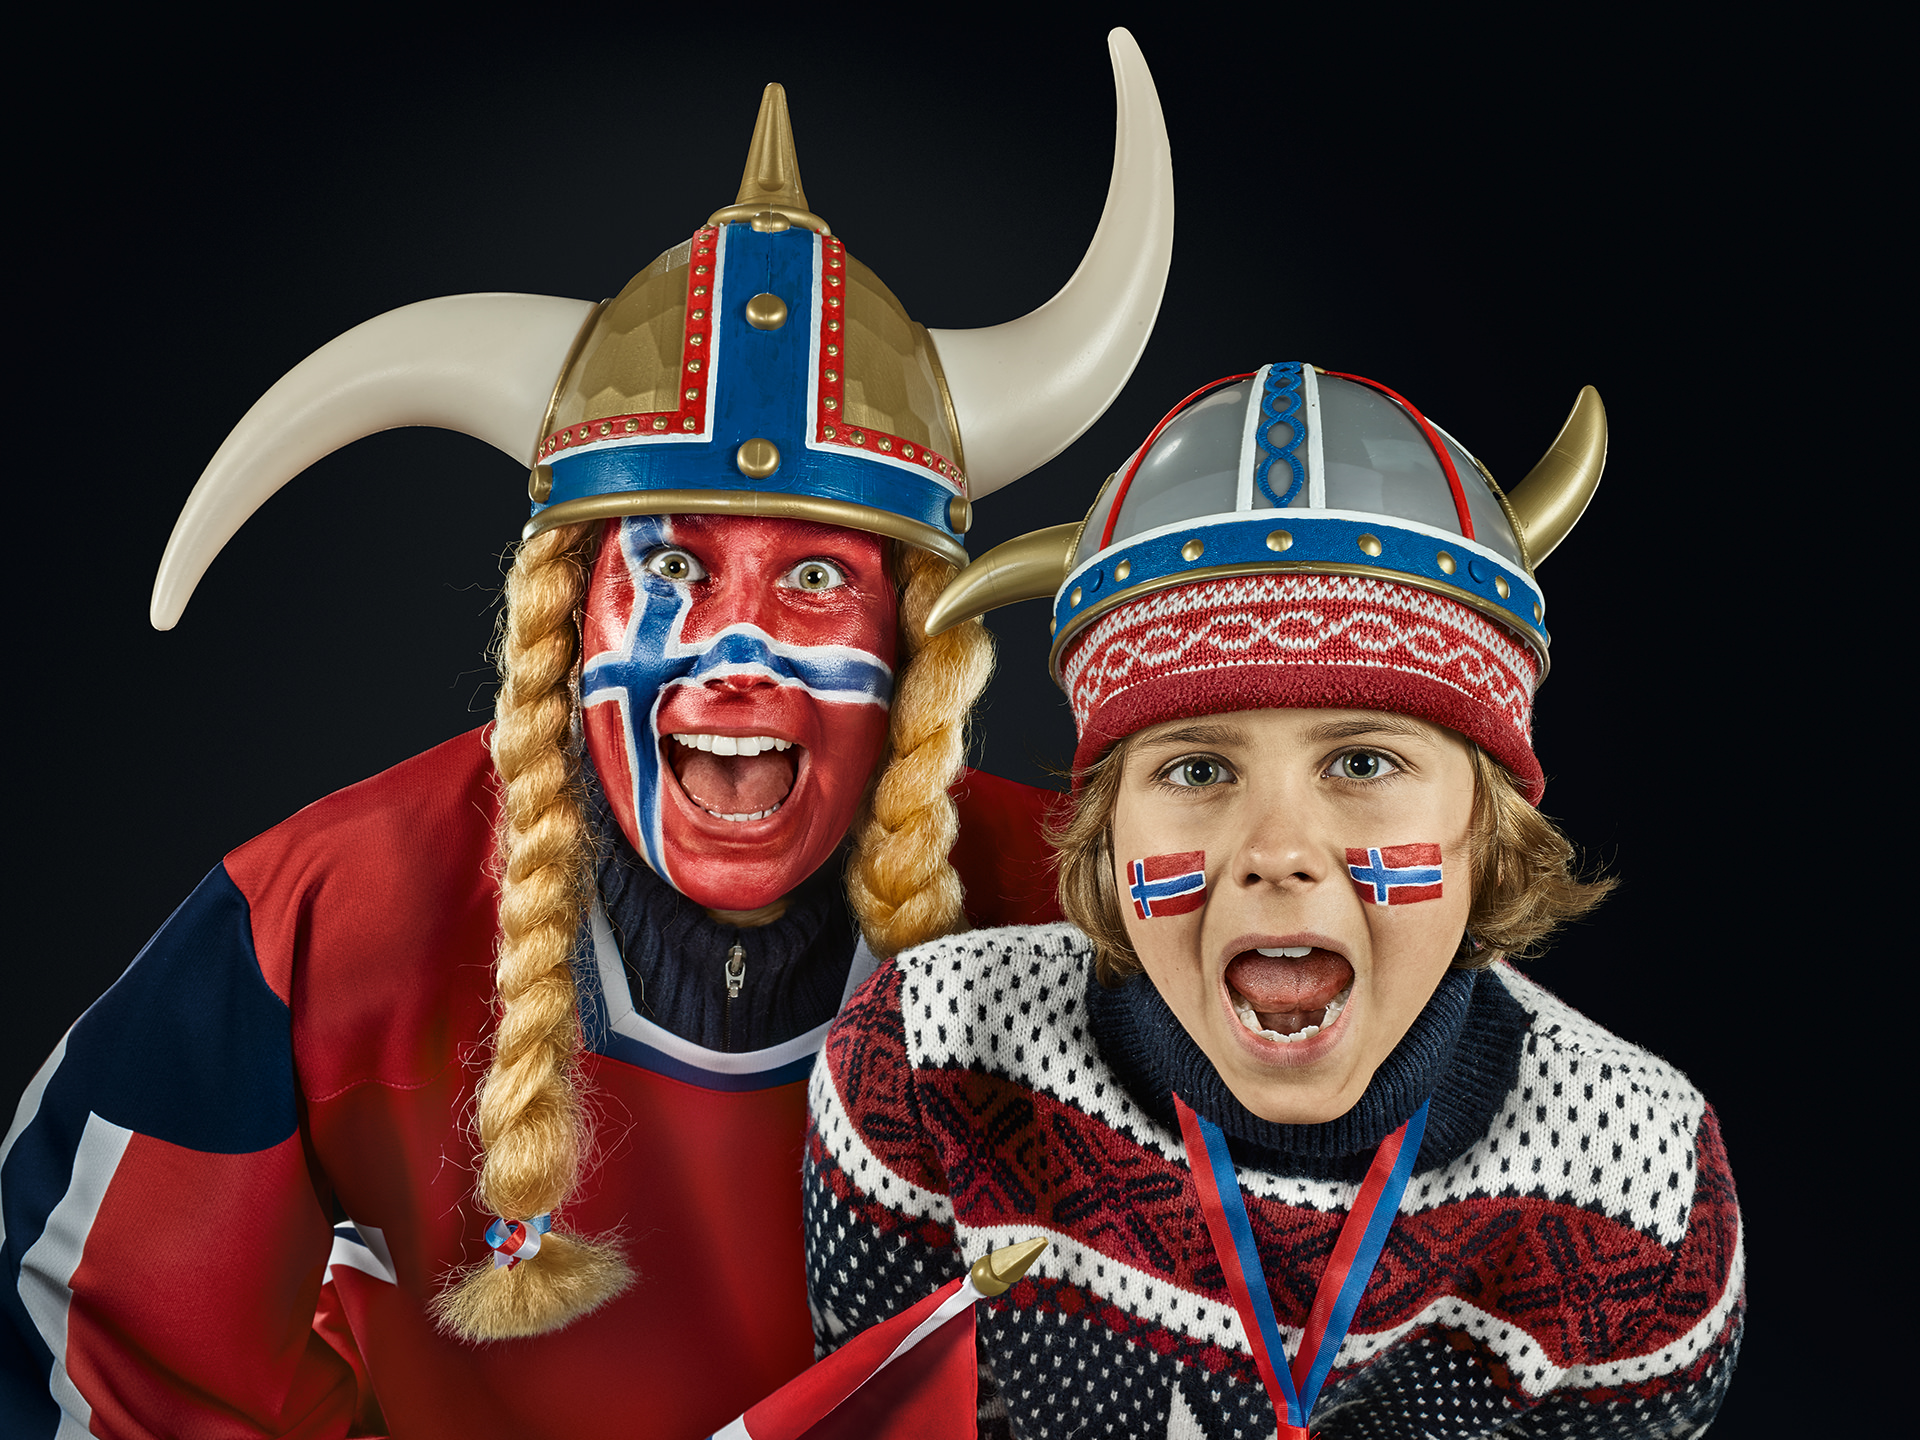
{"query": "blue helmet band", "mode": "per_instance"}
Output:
(1282, 540)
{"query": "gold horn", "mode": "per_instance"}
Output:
(770, 185)
(994, 1274)
(1550, 500)
(1025, 568)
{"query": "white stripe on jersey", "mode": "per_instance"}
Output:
(46, 1271)
(368, 1253)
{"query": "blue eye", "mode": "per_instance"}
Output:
(675, 565)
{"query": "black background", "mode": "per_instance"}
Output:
(1484, 218)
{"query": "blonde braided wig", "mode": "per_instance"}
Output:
(899, 883)
(529, 1112)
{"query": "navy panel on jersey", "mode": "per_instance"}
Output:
(190, 1046)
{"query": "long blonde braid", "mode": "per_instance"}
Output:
(901, 887)
(528, 1110)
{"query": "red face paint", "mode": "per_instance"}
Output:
(1395, 874)
(1168, 884)
(768, 645)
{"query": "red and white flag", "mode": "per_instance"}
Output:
(911, 1377)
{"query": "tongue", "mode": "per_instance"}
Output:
(1273, 984)
(734, 784)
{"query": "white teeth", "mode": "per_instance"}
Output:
(1250, 1019)
(732, 744)
(756, 815)
(1291, 952)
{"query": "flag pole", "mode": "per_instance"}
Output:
(813, 1394)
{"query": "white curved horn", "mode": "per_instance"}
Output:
(1025, 390)
(481, 364)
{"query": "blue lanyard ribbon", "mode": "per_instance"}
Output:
(1293, 1388)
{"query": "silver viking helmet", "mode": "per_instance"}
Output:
(1353, 466)
(1301, 537)
(696, 391)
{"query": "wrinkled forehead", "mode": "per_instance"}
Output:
(745, 537)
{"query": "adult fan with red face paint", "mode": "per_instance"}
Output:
(734, 690)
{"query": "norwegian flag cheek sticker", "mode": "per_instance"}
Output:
(1168, 884)
(1395, 874)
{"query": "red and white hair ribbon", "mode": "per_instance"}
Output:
(515, 1240)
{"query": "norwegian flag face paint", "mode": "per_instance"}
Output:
(1164, 885)
(1395, 874)
(778, 668)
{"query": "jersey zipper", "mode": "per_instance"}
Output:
(736, 977)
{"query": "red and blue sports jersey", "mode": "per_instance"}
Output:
(231, 1193)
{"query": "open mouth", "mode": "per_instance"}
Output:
(735, 777)
(1288, 993)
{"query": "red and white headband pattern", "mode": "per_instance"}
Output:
(1249, 642)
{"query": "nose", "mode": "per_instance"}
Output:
(739, 684)
(1280, 847)
(742, 597)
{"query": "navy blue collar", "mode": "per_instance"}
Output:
(1463, 1049)
(676, 954)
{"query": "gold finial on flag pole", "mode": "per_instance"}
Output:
(994, 1274)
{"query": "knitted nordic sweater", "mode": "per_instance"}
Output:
(1566, 1261)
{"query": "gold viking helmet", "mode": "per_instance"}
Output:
(704, 387)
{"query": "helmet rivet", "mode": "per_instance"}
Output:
(1477, 570)
(540, 485)
(1536, 612)
(757, 459)
(1369, 544)
(1053, 627)
(1074, 597)
(1445, 562)
(1192, 550)
(766, 312)
(1279, 540)
(1500, 585)
(1123, 570)
(960, 514)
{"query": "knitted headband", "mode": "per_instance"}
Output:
(1301, 640)
(1302, 538)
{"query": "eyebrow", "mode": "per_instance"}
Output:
(1215, 733)
(1378, 724)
